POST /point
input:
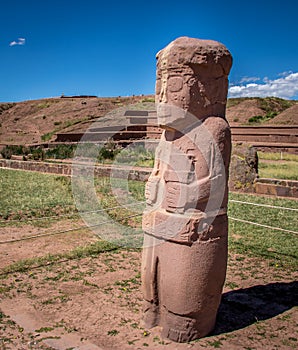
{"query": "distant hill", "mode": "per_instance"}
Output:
(254, 111)
(288, 117)
(38, 121)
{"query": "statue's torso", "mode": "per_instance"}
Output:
(187, 187)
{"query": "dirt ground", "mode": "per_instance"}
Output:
(95, 302)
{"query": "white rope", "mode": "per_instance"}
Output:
(262, 205)
(72, 214)
(67, 231)
(131, 204)
(41, 218)
(42, 235)
(131, 216)
(262, 225)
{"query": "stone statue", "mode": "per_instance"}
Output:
(185, 222)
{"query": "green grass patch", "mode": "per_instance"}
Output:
(40, 193)
(112, 190)
(277, 246)
(48, 135)
(279, 170)
(278, 165)
(149, 99)
(277, 156)
(29, 194)
(280, 247)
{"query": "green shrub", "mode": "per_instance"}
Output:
(47, 136)
(148, 99)
(5, 106)
(139, 156)
(274, 104)
(262, 118)
(10, 150)
(255, 119)
(271, 114)
(45, 104)
(37, 153)
(108, 151)
(6, 152)
(19, 150)
(60, 152)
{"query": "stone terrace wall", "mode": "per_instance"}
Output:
(132, 173)
(273, 187)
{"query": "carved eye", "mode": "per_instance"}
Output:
(175, 84)
(191, 82)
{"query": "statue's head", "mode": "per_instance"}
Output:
(192, 78)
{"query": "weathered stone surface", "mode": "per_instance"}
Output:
(285, 189)
(244, 167)
(185, 223)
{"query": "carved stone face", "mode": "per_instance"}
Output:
(188, 85)
(173, 96)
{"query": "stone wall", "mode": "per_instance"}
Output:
(132, 173)
(273, 187)
(44, 167)
(243, 167)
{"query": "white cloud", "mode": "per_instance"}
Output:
(284, 74)
(284, 87)
(20, 41)
(249, 79)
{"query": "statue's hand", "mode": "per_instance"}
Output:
(173, 198)
(180, 196)
(151, 189)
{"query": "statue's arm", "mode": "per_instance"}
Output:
(210, 179)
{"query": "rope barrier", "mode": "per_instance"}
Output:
(127, 217)
(262, 225)
(41, 218)
(66, 231)
(134, 215)
(72, 214)
(262, 205)
(42, 235)
(134, 204)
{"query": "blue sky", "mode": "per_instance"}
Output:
(49, 48)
